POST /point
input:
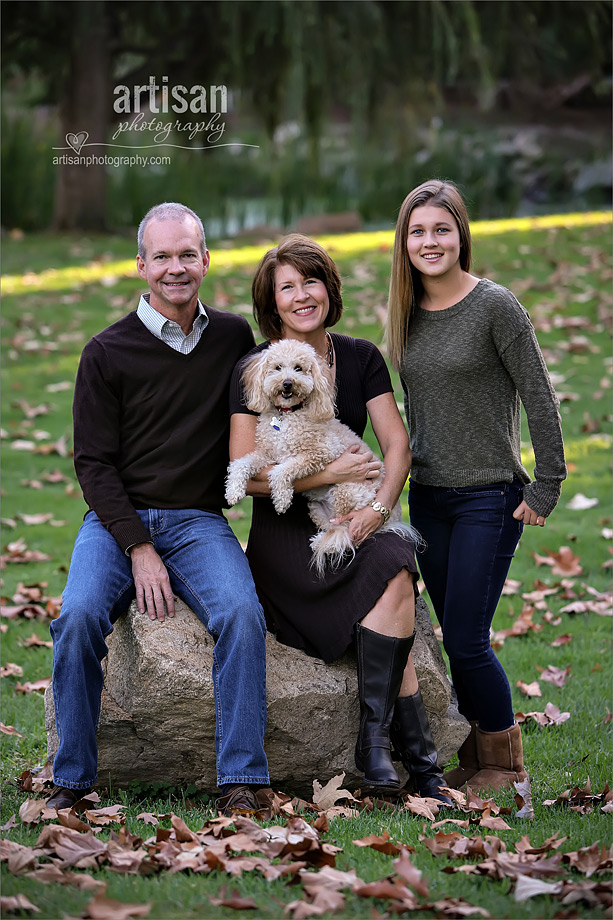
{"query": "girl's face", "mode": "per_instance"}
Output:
(433, 241)
(302, 303)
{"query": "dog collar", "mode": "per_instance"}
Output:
(276, 422)
(290, 408)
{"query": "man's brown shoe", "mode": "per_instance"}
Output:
(65, 798)
(240, 799)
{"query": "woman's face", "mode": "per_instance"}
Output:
(302, 303)
(433, 241)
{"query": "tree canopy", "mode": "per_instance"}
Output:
(305, 59)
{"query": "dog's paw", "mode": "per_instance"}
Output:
(282, 500)
(235, 493)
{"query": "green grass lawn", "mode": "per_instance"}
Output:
(563, 276)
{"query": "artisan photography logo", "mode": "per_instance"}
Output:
(152, 108)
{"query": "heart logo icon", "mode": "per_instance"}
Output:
(76, 141)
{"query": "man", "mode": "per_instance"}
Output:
(151, 433)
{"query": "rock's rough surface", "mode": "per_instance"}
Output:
(158, 716)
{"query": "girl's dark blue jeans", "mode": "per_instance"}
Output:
(471, 536)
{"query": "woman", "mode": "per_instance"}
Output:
(467, 354)
(297, 294)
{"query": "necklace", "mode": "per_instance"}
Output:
(329, 350)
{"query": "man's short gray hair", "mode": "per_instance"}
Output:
(168, 210)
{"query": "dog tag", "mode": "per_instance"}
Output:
(276, 423)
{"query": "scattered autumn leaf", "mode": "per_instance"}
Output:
(326, 796)
(18, 552)
(103, 908)
(527, 887)
(564, 639)
(10, 669)
(35, 641)
(34, 686)
(563, 562)
(17, 902)
(31, 520)
(532, 689)
(553, 675)
(523, 800)
(409, 873)
(382, 843)
(581, 502)
(551, 716)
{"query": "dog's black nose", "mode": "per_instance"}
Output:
(287, 385)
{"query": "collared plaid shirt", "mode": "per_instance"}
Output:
(168, 331)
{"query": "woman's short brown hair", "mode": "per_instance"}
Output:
(308, 258)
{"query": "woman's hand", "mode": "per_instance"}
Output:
(362, 524)
(525, 513)
(354, 465)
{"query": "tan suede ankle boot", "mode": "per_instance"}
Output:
(501, 759)
(469, 765)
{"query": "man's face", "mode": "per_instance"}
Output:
(173, 266)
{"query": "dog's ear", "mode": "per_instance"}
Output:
(253, 379)
(321, 401)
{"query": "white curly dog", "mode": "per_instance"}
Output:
(298, 435)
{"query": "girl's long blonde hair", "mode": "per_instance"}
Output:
(405, 284)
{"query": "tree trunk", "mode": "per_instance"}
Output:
(80, 192)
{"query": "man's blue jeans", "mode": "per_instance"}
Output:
(471, 536)
(209, 571)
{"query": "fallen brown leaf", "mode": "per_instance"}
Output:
(409, 873)
(563, 562)
(35, 641)
(147, 818)
(552, 843)
(18, 858)
(382, 843)
(18, 552)
(386, 889)
(29, 611)
(12, 903)
(494, 823)
(564, 639)
(523, 800)
(103, 908)
(551, 716)
(326, 796)
(456, 907)
(527, 887)
(589, 860)
(34, 686)
(425, 808)
(553, 675)
(31, 520)
(11, 670)
(532, 689)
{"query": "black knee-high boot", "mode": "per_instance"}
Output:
(381, 663)
(412, 739)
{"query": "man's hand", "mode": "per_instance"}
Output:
(153, 592)
(525, 513)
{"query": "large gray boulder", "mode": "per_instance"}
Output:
(157, 722)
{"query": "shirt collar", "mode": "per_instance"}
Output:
(155, 322)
